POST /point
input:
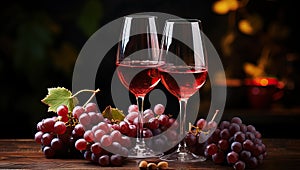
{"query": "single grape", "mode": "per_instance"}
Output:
(211, 125)
(46, 139)
(79, 130)
(257, 134)
(59, 128)
(56, 144)
(89, 136)
(106, 141)
(131, 116)
(251, 128)
(236, 120)
(211, 149)
(116, 160)
(62, 111)
(104, 126)
(116, 136)
(239, 137)
(126, 142)
(248, 145)
(87, 155)
(201, 123)
(147, 133)
(148, 114)
(48, 152)
(91, 107)
(153, 123)
(133, 108)
(163, 120)
(98, 135)
(48, 124)
(64, 118)
(96, 148)
(38, 137)
(39, 126)
(85, 120)
(239, 165)
(224, 125)
(218, 158)
(232, 157)
(245, 155)
(190, 139)
(132, 132)
(236, 147)
(233, 128)
(252, 163)
(223, 144)
(81, 144)
(159, 109)
(243, 128)
(77, 111)
(95, 157)
(225, 134)
(250, 135)
(104, 160)
(124, 127)
(115, 148)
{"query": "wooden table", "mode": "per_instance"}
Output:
(26, 154)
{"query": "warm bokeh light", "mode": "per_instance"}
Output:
(245, 27)
(264, 82)
(232, 4)
(220, 7)
(224, 6)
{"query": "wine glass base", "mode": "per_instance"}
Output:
(183, 157)
(143, 152)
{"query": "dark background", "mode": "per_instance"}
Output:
(40, 41)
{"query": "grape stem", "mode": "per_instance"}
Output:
(200, 130)
(86, 90)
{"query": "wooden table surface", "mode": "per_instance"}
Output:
(26, 154)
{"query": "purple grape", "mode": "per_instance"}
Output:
(116, 160)
(232, 157)
(104, 160)
(239, 165)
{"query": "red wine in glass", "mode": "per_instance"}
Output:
(137, 62)
(183, 82)
(184, 72)
(138, 78)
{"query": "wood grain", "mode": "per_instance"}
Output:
(26, 154)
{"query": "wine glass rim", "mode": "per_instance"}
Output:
(140, 16)
(183, 20)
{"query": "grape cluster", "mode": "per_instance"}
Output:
(107, 143)
(155, 122)
(236, 144)
(100, 143)
(55, 135)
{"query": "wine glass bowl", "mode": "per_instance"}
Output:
(183, 73)
(137, 63)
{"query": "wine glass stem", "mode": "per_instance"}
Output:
(140, 140)
(182, 124)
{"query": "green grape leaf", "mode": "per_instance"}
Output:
(113, 114)
(59, 96)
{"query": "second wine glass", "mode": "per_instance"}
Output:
(137, 62)
(184, 72)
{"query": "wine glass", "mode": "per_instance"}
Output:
(183, 73)
(137, 62)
